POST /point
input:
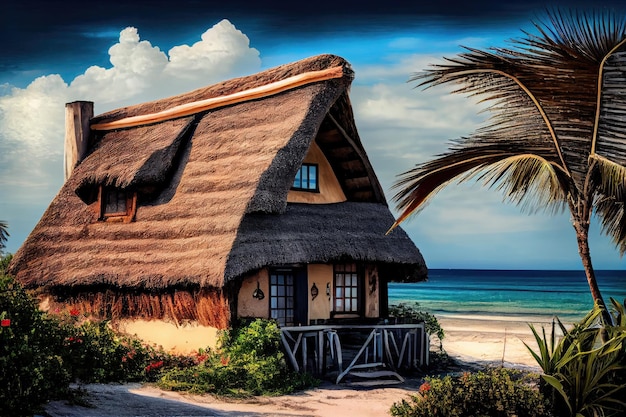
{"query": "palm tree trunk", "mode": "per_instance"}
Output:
(582, 236)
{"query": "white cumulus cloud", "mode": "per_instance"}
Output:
(136, 66)
(32, 118)
(223, 48)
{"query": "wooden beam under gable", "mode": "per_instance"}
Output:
(379, 196)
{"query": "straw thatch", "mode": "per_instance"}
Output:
(325, 233)
(210, 187)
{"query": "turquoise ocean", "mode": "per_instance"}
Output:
(532, 293)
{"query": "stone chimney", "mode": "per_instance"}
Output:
(77, 116)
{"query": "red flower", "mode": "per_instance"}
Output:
(425, 387)
(75, 339)
(5, 322)
(201, 357)
(224, 360)
(74, 312)
(154, 365)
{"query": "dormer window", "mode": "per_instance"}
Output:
(117, 204)
(306, 178)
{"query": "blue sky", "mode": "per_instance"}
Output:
(117, 54)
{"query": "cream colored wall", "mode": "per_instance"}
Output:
(181, 339)
(247, 306)
(330, 189)
(177, 339)
(372, 292)
(320, 307)
(320, 274)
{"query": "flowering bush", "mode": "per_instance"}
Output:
(41, 353)
(31, 365)
(94, 352)
(250, 362)
(493, 392)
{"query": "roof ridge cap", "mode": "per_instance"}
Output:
(222, 101)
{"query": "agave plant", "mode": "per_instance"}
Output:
(557, 135)
(582, 368)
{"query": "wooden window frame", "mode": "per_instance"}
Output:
(308, 167)
(341, 270)
(275, 295)
(122, 216)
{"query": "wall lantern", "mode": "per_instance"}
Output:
(258, 293)
(314, 291)
(328, 290)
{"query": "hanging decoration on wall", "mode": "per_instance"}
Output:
(373, 280)
(258, 293)
(314, 291)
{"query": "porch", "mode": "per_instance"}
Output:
(380, 351)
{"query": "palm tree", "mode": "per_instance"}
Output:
(4, 234)
(557, 133)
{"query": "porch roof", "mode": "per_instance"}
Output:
(307, 233)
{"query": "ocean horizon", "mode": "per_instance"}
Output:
(538, 294)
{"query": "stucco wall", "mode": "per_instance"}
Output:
(248, 306)
(181, 339)
(321, 275)
(319, 308)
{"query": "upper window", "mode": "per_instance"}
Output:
(307, 178)
(117, 204)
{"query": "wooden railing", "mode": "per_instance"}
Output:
(383, 349)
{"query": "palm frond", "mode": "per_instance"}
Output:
(529, 181)
(423, 182)
(609, 184)
(612, 176)
(557, 69)
(4, 234)
(612, 214)
(610, 124)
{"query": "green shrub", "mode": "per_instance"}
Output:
(490, 393)
(584, 369)
(40, 354)
(94, 352)
(413, 312)
(31, 345)
(249, 362)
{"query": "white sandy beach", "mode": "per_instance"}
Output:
(471, 339)
(492, 339)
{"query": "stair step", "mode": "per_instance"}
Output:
(374, 383)
(376, 375)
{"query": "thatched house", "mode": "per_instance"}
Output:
(251, 198)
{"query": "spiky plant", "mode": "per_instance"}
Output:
(557, 135)
(582, 370)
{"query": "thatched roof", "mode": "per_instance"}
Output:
(324, 233)
(204, 182)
